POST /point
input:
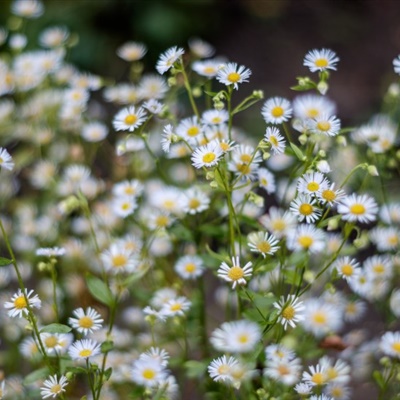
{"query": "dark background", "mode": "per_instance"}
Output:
(270, 37)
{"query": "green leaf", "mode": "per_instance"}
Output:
(379, 379)
(107, 373)
(301, 88)
(107, 346)
(299, 154)
(56, 328)
(34, 376)
(100, 290)
(195, 369)
(4, 262)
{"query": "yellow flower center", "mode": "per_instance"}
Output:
(318, 378)
(162, 221)
(306, 209)
(193, 131)
(279, 225)
(331, 373)
(264, 182)
(51, 342)
(321, 63)
(129, 190)
(288, 312)
(347, 270)
(243, 338)
(216, 120)
(393, 240)
(319, 318)
(328, 195)
(126, 206)
(283, 370)
(130, 119)
(264, 247)
(190, 267)
(312, 186)
(357, 209)
(208, 158)
(169, 204)
(351, 308)
(379, 268)
(323, 126)
(176, 307)
(233, 77)
(277, 111)
(224, 146)
(119, 261)
(312, 113)
(85, 353)
(223, 369)
(194, 203)
(235, 273)
(209, 70)
(85, 322)
(244, 169)
(396, 347)
(148, 374)
(20, 302)
(274, 140)
(246, 158)
(56, 388)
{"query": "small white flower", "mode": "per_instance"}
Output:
(275, 139)
(86, 321)
(235, 274)
(324, 124)
(53, 386)
(132, 51)
(358, 208)
(84, 349)
(6, 161)
(189, 267)
(206, 156)
(148, 372)
(290, 310)
(18, 305)
(320, 60)
(263, 243)
(233, 74)
(168, 59)
(276, 110)
(220, 369)
(129, 118)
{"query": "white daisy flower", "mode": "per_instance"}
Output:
(53, 386)
(118, 259)
(148, 372)
(385, 239)
(358, 208)
(56, 343)
(176, 306)
(18, 305)
(394, 302)
(86, 321)
(338, 391)
(27, 8)
(236, 336)
(94, 132)
(316, 375)
(190, 129)
(378, 266)
(263, 243)
(194, 201)
(189, 267)
(235, 274)
(50, 251)
(284, 370)
(200, 48)
(214, 117)
(304, 208)
(206, 156)
(167, 137)
(6, 161)
(328, 125)
(168, 59)
(152, 86)
(155, 353)
(321, 60)
(207, 68)
(233, 74)
(346, 267)
(390, 344)
(275, 139)
(84, 349)
(266, 180)
(330, 196)
(220, 369)
(278, 352)
(276, 110)
(128, 188)
(354, 310)
(396, 65)
(338, 371)
(303, 389)
(153, 106)
(312, 183)
(132, 51)
(290, 310)
(53, 36)
(311, 106)
(123, 206)
(129, 118)
(278, 221)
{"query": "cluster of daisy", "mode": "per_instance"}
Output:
(166, 242)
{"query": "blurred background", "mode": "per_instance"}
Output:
(270, 37)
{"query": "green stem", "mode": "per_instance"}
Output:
(189, 91)
(54, 280)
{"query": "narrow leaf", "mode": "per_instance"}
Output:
(34, 376)
(56, 328)
(5, 261)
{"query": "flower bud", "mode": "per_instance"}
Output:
(372, 170)
(322, 87)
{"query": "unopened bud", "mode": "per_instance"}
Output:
(372, 170)
(258, 94)
(210, 175)
(69, 205)
(214, 184)
(219, 105)
(322, 87)
(171, 81)
(323, 166)
(196, 91)
(303, 139)
(309, 276)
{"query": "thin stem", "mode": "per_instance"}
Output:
(189, 91)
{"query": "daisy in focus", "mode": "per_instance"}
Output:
(233, 74)
(86, 321)
(84, 349)
(129, 118)
(263, 243)
(168, 59)
(235, 274)
(206, 156)
(275, 140)
(18, 306)
(276, 110)
(321, 60)
(290, 310)
(53, 386)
